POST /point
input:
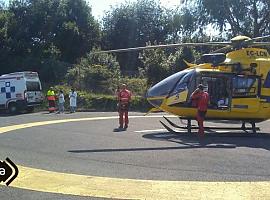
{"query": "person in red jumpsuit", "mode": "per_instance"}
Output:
(201, 98)
(124, 97)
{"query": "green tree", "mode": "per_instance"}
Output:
(67, 24)
(77, 32)
(43, 35)
(248, 17)
(131, 25)
(181, 23)
(95, 72)
(156, 66)
(160, 63)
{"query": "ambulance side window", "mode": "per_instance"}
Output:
(32, 86)
(3, 89)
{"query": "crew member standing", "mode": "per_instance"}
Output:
(51, 99)
(73, 100)
(201, 98)
(61, 102)
(124, 97)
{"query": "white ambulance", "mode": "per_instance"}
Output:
(20, 91)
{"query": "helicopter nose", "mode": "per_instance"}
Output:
(155, 101)
(155, 97)
(156, 94)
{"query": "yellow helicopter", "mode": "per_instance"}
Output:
(238, 84)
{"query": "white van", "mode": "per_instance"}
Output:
(20, 91)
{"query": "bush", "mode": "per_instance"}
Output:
(154, 68)
(52, 71)
(95, 102)
(137, 86)
(96, 78)
(95, 73)
(99, 102)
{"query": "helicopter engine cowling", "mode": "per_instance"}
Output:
(215, 59)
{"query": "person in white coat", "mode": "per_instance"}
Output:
(73, 100)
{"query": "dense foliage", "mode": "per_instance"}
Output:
(56, 38)
(43, 35)
(95, 72)
(246, 17)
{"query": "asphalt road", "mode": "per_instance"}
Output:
(144, 151)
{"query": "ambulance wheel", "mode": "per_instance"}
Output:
(30, 109)
(12, 108)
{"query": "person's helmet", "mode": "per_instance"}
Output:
(123, 86)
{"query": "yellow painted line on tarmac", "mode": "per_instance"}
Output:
(42, 123)
(105, 187)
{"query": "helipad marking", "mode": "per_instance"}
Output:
(42, 123)
(105, 187)
(93, 186)
(150, 131)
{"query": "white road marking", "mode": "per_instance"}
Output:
(149, 131)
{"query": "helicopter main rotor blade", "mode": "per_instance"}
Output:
(260, 44)
(236, 42)
(222, 49)
(262, 37)
(163, 46)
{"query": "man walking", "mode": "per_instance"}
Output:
(124, 97)
(201, 98)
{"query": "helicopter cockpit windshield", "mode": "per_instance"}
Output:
(169, 86)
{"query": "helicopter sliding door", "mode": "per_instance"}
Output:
(245, 93)
(227, 91)
(218, 86)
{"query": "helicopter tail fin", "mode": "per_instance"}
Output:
(189, 64)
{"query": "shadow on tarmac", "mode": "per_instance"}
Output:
(4, 113)
(117, 130)
(216, 140)
(138, 149)
(191, 141)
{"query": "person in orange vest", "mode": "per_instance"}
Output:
(201, 98)
(124, 97)
(51, 99)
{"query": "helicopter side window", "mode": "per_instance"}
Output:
(267, 81)
(245, 86)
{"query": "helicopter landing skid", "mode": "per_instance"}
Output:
(175, 128)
